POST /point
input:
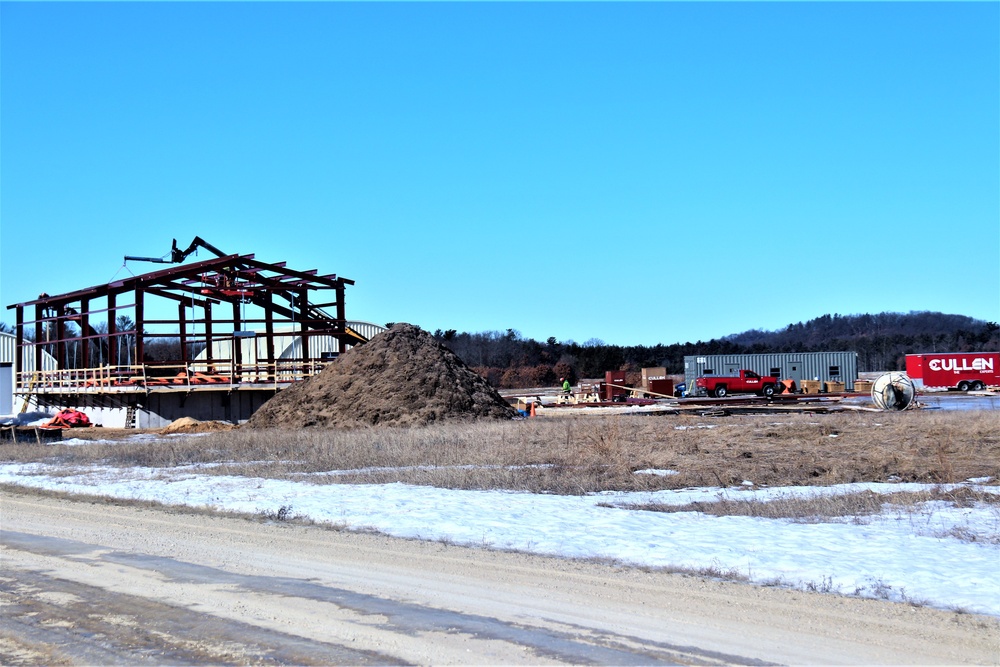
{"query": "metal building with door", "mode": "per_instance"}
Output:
(798, 366)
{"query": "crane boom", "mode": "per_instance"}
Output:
(177, 255)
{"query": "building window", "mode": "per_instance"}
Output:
(708, 371)
(775, 372)
(834, 371)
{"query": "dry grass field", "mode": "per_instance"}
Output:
(582, 454)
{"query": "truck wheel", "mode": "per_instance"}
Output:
(768, 390)
(720, 391)
(963, 386)
(978, 386)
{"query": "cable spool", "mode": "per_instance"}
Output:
(893, 391)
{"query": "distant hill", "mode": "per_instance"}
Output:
(924, 327)
(882, 341)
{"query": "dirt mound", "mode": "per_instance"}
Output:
(189, 425)
(401, 377)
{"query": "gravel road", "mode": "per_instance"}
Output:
(88, 582)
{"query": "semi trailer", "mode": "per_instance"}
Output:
(963, 371)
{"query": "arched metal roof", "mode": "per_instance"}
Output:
(8, 345)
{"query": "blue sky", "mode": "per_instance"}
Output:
(637, 173)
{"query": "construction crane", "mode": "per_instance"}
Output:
(177, 255)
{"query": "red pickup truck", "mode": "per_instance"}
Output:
(746, 381)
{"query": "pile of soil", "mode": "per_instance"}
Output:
(190, 425)
(401, 377)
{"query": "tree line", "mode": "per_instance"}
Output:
(881, 341)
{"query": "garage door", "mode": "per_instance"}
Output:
(6, 389)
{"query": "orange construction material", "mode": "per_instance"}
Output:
(67, 418)
(202, 378)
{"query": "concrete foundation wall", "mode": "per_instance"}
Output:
(158, 410)
(106, 417)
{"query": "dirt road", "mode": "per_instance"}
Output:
(95, 583)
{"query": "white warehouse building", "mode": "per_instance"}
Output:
(8, 346)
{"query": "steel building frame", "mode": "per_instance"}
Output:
(281, 300)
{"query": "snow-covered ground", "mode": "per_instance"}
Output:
(940, 555)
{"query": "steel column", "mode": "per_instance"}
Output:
(85, 341)
(18, 345)
(114, 345)
(139, 324)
